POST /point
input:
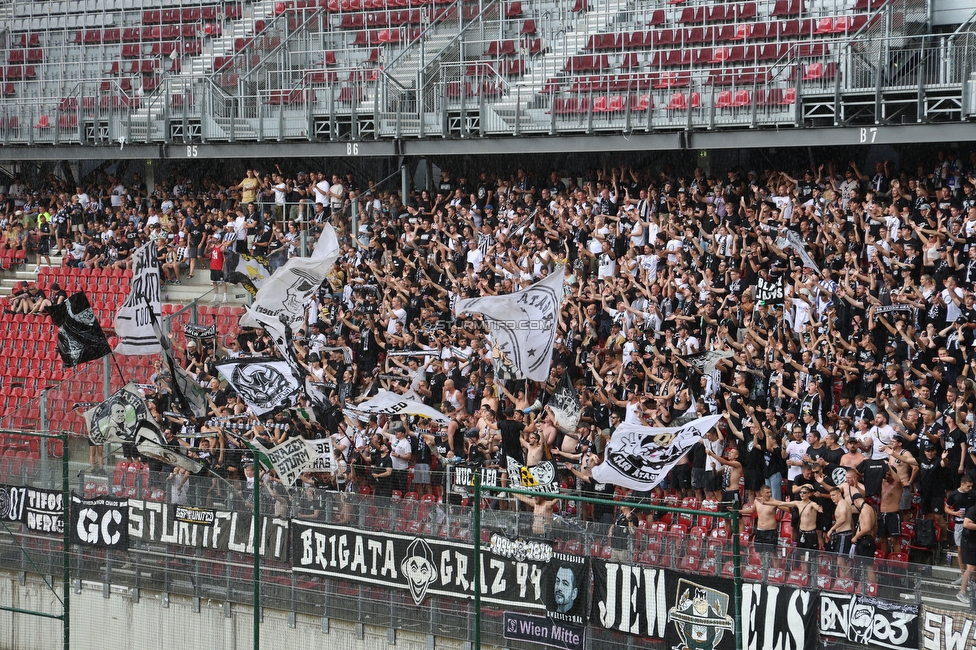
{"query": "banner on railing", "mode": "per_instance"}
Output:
(539, 629)
(424, 567)
(102, 522)
(869, 621)
(565, 584)
(942, 629)
(154, 522)
(779, 617)
(40, 511)
(696, 611)
(461, 479)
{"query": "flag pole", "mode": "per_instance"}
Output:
(118, 368)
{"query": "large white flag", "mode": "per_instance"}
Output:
(133, 324)
(387, 403)
(523, 324)
(264, 383)
(286, 292)
(639, 457)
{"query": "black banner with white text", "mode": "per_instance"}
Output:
(869, 621)
(423, 566)
(154, 522)
(102, 522)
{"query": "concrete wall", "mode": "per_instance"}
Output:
(116, 622)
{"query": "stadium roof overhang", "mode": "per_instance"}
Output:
(603, 142)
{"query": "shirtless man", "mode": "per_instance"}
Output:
(864, 534)
(764, 507)
(541, 508)
(732, 472)
(534, 451)
(842, 532)
(889, 524)
(907, 467)
(853, 457)
(808, 519)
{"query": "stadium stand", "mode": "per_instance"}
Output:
(326, 69)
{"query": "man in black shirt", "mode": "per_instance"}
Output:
(957, 504)
(511, 433)
(382, 471)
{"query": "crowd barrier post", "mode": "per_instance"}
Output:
(477, 560)
(64, 598)
(256, 540)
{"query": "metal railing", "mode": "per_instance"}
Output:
(230, 576)
(289, 92)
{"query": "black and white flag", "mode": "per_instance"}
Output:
(39, 510)
(190, 397)
(286, 292)
(869, 621)
(778, 617)
(153, 522)
(117, 419)
(80, 337)
(640, 457)
(790, 239)
(704, 362)
(324, 459)
(565, 405)
(541, 477)
(289, 459)
(388, 403)
(770, 291)
(102, 522)
(133, 324)
(151, 444)
(264, 383)
(523, 324)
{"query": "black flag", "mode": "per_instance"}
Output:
(80, 337)
(191, 400)
(565, 405)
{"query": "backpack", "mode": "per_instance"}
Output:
(925, 533)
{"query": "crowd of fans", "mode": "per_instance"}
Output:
(849, 404)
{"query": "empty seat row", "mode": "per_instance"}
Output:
(718, 13)
(384, 18)
(683, 36)
(142, 34)
(728, 99)
(32, 55)
(189, 14)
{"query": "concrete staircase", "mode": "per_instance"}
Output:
(523, 91)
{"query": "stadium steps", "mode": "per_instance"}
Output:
(522, 92)
(224, 45)
(197, 288)
(405, 72)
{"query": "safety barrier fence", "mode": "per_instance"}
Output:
(358, 557)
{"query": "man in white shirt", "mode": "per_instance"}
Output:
(337, 195)
(118, 191)
(474, 256)
(280, 189)
(795, 451)
(400, 453)
(321, 189)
